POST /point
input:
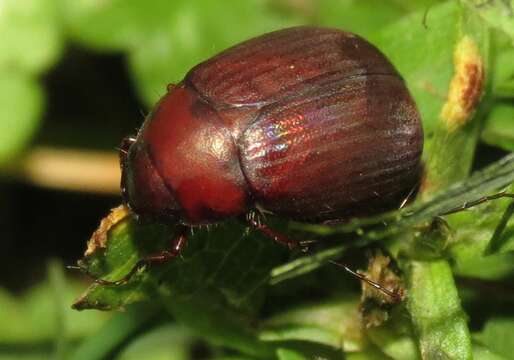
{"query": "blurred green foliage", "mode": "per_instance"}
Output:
(233, 294)
(32, 41)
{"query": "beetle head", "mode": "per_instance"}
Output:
(142, 187)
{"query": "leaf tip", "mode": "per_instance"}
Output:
(99, 238)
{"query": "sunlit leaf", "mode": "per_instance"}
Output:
(286, 354)
(167, 38)
(499, 126)
(336, 324)
(193, 32)
(114, 24)
(497, 14)
(31, 35)
(114, 332)
(363, 17)
(498, 336)
(33, 317)
(172, 342)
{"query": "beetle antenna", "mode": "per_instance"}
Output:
(143, 113)
(393, 294)
(470, 204)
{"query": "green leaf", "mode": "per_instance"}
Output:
(34, 317)
(307, 350)
(40, 324)
(416, 4)
(216, 257)
(497, 14)
(209, 316)
(114, 24)
(286, 354)
(368, 354)
(335, 323)
(21, 103)
(114, 332)
(499, 127)
(220, 275)
(165, 39)
(31, 36)
(479, 246)
(501, 240)
(457, 133)
(483, 353)
(193, 32)
(24, 355)
(480, 240)
(503, 68)
(171, 342)
(233, 358)
(395, 338)
(117, 259)
(363, 17)
(498, 336)
(434, 305)
(241, 357)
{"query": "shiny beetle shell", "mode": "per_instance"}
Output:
(308, 123)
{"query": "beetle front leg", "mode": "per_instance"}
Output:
(177, 244)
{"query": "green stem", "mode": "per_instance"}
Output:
(436, 313)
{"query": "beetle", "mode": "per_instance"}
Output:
(308, 123)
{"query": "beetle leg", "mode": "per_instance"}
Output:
(276, 235)
(395, 295)
(293, 244)
(273, 234)
(162, 257)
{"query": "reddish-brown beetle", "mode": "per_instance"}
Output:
(308, 123)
